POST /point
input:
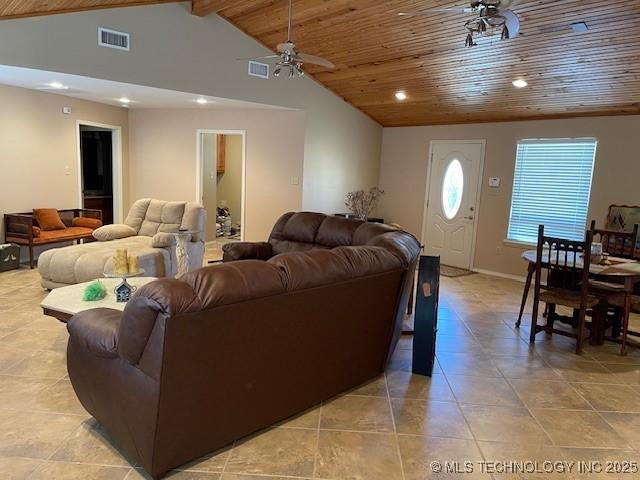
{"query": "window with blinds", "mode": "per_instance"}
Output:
(551, 187)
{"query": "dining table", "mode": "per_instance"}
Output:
(621, 273)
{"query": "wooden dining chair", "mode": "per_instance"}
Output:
(622, 245)
(616, 244)
(566, 264)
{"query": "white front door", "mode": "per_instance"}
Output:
(449, 230)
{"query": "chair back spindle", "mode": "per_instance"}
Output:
(616, 243)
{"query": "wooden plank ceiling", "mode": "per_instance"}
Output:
(378, 53)
(30, 8)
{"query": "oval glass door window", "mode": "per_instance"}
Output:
(452, 189)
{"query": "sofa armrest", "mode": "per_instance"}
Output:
(113, 232)
(246, 251)
(163, 240)
(96, 331)
(19, 224)
(89, 213)
(154, 301)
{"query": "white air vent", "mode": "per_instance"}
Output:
(112, 39)
(257, 69)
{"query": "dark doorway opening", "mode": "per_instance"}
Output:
(96, 153)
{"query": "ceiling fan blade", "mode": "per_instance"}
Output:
(436, 11)
(267, 57)
(288, 47)
(306, 58)
(512, 22)
(508, 4)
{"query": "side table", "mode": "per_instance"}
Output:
(182, 254)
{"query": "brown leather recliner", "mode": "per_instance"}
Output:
(193, 364)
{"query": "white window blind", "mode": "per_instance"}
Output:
(551, 187)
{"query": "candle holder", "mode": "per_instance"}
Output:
(124, 290)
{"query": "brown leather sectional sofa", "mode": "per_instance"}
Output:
(193, 364)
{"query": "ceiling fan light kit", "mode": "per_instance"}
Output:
(288, 58)
(494, 17)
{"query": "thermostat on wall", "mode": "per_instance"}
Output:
(66, 110)
(494, 182)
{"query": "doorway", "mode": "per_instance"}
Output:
(99, 167)
(453, 197)
(221, 185)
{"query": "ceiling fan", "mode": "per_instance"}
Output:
(493, 17)
(289, 58)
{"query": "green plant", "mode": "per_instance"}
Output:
(94, 291)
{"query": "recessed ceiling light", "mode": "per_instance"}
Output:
(57, 86)
(401, 95)
(579, 27)
(202, 101)
(124, 100)
(520, 83)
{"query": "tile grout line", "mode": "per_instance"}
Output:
(393, 423)
(316, 451)
(601, 416)
(226, 462)
(518, 396)
(466, 420)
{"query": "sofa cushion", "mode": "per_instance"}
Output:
(322, 267)
(162, 217)
(302, 227)
(70, 233)
(368, 231)
(337, 231)
(137, 213)
(86, 222)
(48, 219)
(234, 282)
(113, 232)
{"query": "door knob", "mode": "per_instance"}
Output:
(470, 217)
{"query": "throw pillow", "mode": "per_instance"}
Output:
(86, 222)
(48, 219)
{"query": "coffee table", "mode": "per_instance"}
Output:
(64, 302)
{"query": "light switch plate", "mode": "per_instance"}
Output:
(295, 181)
(494, 182)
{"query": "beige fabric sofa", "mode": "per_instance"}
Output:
(146, 232)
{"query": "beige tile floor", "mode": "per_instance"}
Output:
(491, 398)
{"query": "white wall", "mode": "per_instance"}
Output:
(38, 148)
(404, 163)
(170, 48)
(163, 158)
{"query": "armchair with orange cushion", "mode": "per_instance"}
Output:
(45, 226)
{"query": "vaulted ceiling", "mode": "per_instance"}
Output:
(377, 53)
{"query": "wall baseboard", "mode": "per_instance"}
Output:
(517, 278)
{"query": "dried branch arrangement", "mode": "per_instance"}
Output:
(363, 202)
